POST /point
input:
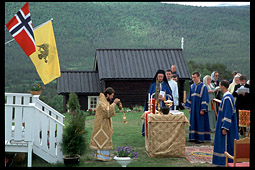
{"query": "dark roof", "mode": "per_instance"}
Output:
(78, 82)
(138, 63)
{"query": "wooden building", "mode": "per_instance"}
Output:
(128, 71)
(85, 84)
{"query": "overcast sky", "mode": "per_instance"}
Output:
(211, 3)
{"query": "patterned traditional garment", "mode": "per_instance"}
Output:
(101, 138)
(198, 100)
(226, 119)
(103, 155)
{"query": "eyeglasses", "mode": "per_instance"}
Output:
(216, 75)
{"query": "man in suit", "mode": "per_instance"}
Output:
(243, 100)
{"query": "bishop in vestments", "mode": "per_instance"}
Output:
(197, 101)
(163, 87)
(226, 127)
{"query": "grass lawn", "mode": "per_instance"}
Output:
(129, 135)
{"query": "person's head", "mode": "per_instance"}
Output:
(224, 84)
(160, 77)
(216, 75)
(234, 73)
(168, 74)
(173, 68)
(174, 77)
(242, 79)
(236, 79)
(196, 77)
(207, 79)
(109, 93)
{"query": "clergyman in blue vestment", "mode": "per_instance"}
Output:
(197, 101)
(163, 86)
(226, 127)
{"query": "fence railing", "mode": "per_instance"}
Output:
(29, 119)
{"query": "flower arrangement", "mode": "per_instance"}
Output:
(36, 87)
(89, 111)
(126, 152)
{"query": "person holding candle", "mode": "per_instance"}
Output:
(163, 93)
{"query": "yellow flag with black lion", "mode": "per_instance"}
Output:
(45, 58)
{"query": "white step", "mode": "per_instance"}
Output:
(20, 146)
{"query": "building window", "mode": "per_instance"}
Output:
(92, 102)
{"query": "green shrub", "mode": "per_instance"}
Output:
(74, 134)
(73, 102)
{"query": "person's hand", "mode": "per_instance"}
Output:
(116, 100)
(202, 112)
(224, 131)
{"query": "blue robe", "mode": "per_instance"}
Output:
(164, 87)
(226, 119)
(198, 99)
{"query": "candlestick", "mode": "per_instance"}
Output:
(165, 96)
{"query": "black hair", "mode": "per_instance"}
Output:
(224, 83)
(168, 70)
(197, 73)
(108, 90)
(242, 77)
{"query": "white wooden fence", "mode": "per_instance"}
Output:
(32, 126)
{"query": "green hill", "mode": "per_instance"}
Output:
(211, 34)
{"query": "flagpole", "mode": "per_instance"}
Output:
(33, 29)
(43, 23)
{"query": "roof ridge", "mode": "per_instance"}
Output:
(83, 71)
(138, 49)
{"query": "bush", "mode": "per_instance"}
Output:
(73, 102)
(74, 134)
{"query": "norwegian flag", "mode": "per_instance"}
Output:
(20, 26)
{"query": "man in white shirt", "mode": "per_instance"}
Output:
(174, 88)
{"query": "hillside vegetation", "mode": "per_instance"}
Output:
(211, 34)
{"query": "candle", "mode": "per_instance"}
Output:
(150, 103)
(146, 125)
(153, 106)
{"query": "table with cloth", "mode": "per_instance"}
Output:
(165, 134)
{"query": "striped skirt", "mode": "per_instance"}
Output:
(102, 155)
